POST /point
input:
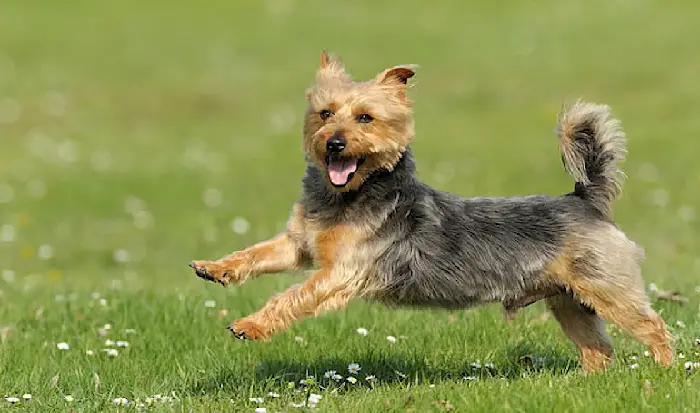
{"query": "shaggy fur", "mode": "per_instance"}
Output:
(377, 232)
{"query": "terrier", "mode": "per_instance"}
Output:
(377, 232)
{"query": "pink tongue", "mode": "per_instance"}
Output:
(339, 170)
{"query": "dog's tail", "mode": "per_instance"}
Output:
(592, 143)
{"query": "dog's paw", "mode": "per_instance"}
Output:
(245, 329)
(211, 271)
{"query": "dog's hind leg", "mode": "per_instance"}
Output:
(629, 308)
(607, 278)
(583, 326)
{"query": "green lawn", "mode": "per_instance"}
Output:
(136, 136)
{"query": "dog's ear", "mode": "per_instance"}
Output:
(331, 71)
(398, 75)
(331, 63)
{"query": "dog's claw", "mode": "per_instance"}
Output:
(238, 335)
(203, 272)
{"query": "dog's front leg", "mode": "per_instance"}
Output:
(281, 253)
(321, 292)
(276, 255)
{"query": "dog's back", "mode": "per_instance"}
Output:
(449, 251)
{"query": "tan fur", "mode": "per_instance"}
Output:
(281, 253)
(615, 289)
(585, 329)
(326, 289)
(600, 173)
(384, 98)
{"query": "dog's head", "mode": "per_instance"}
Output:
(355, 128)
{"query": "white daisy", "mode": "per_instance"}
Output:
(354, 368)
(352, 380)
(111, 352)
(122, 344)
(258, 400)
(391, 339)
(308, 381)
(299, 339)
(8, 275)
(110, 343)
(634, 366)
(12, 399)
(691, 366)
(240, 225)
(362, 331)
(329, 374)
(121, 401)
(68, 398)
(273, 395)
(63, 346)
(210, 303)
(89, 352)
(313, 400)
(27, 396)
(260, 410)
(680, 323)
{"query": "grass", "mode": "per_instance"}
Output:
(136, 135)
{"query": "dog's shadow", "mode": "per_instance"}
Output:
(520, 361)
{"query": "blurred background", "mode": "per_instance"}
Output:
(136, 136)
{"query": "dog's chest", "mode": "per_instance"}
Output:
(329, 244)
(346, 236)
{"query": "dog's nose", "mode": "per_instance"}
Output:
(336, 144)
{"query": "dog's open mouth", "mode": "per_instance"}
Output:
(341, 169)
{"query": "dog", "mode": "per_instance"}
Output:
(377, 232)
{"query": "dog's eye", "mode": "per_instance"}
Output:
(364, 118)
(325, 114)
